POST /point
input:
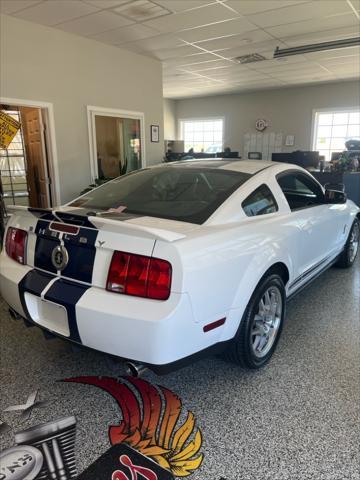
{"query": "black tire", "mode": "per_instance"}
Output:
(346, 259)
(241, 350)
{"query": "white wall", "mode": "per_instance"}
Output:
(43, 64)
(169, 119)
(288, 110)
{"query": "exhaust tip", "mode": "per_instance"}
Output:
(134, 369)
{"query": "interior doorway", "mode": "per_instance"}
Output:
(116, 142)
(26, 173)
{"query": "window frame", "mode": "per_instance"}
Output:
(304, 174)
(181, 122)
(315, 126)
(252, 193)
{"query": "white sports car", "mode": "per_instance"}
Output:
(177, 261)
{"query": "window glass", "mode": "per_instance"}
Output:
(185, 193)
(260, 202)
(333, 129)
(300, 190)
(203, 135)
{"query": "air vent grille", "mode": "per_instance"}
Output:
(251, 58)
(142, 10)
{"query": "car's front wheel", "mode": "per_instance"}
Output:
(348, 255)
(261, 325)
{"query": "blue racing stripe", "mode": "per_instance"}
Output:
(33, 282)
(62, 292)
(46, 241)
(66, 293)
(81, 249)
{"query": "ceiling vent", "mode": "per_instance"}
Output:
(141, 10)
(251, 58)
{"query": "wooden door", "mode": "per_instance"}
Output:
(37, 172)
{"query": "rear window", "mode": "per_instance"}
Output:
(186, 194)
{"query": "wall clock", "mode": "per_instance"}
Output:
(261, 124)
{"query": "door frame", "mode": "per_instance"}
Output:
(50, 139)
(92, 111)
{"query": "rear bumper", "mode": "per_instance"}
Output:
(162, 335)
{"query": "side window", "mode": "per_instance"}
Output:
(300, 190)
(260, 202)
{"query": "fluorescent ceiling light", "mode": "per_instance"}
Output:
(317, 47)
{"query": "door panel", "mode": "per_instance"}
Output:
(37, 174)
(321, 224)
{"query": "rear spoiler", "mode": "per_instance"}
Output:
(79, 218)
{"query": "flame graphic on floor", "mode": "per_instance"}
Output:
(150, 418)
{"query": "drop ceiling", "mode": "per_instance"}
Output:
(197, 41)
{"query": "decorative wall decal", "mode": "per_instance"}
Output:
(27, 407)
(150, 426)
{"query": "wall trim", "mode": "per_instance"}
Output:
(92, 111)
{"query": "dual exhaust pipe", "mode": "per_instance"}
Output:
(133, 369)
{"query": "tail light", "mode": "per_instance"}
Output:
(15, 244)
(140, 276)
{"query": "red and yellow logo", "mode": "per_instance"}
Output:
(150, 423)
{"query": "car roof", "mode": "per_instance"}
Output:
(233, 164)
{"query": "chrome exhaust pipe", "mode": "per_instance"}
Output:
(135, 369)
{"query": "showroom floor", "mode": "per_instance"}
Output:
(295, 419)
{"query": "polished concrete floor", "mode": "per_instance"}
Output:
(295, 419)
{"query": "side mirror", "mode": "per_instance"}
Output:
(335, 196)
(335, 186)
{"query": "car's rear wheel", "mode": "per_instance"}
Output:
(348, 255)
(261, 325)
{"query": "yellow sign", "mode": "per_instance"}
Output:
(8, 129)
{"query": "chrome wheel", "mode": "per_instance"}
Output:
(266, 322)
(354, 242)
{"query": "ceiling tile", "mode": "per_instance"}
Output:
(190, 59)
(158, 42)
(167, 53)
(309, 26)
(351, 53)
(249, 7)
(216, 30)
(286, 63)
(322, 36)
(236, 41)
(106, 3)
(300, 12)
(125, 34)
(193, 18)
(355, 4)
(95, 23)
(7, 7)
(183, 5)
(52, 12)
(212, 64)
(141, 10)
(265, 48)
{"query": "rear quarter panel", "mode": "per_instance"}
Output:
(220, 266)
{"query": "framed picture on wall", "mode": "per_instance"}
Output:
(154, 133)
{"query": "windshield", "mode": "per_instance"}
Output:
(187, 194)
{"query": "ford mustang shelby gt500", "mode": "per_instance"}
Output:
(171, 262)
